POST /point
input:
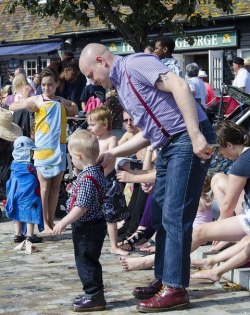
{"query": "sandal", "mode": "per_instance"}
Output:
(138, 238)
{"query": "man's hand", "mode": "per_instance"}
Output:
(105, 159)
(200, 147)
(147, 188)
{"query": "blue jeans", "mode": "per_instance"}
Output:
(88, 240)
(178, 186)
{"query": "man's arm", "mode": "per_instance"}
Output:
(170, 82)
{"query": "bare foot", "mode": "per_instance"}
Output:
(136, 263)
(203, 263)
(47, 229)
(206, 274)
(119, 251)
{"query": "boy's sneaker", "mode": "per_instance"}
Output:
(34, 239)
(19, 238)
(89, 304)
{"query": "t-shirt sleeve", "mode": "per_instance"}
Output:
(85, 94)
(242, 79)
(241, 167)
(86, 194)
(145, 68)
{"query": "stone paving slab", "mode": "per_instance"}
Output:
(46, 282)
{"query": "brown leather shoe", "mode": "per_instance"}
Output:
(149, 291)
(167, 299)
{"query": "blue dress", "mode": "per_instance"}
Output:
(23, 195)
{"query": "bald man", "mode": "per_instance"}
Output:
(163, 107)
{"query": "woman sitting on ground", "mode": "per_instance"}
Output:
(234, 144)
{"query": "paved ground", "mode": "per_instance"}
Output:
(46, 282)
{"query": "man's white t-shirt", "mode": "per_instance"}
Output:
(242, 80)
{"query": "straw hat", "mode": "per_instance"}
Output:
(202, 74)
(8, 130)
(247, 62)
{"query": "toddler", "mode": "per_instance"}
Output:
(84, 208)
(24, 204)
(115, 208)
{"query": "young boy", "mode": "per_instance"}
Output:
(84, 208)
(115, 208)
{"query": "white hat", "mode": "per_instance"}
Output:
(202, 74)
(8, 130)
(21, 149)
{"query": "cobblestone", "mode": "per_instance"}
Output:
(46, 282)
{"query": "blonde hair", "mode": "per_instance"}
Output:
(102, 115)
(18, 82)
(83, 141)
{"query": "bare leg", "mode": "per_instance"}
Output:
(112, 231)
(219, 185)
(53, 197)
(30, 229)
(45, 188)
(210, 261)
(228, 229)
(235, 260)
(137, 263)
(18, 228)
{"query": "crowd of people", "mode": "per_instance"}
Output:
(150, 187)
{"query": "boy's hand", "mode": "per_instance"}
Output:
(58, 228)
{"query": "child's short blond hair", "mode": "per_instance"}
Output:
(102, 115)
(83, 141)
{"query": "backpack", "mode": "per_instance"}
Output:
(92, 103)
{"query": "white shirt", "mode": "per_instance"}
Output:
(198, 87)
(242, 80)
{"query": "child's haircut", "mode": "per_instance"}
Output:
(48, 72)
(83, 141)
(101, 114)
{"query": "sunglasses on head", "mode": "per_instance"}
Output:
(127, 120)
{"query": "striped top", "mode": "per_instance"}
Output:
(144, 70)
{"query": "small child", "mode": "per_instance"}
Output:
(115, 208)
(204, 213)
(24, 204)
(84, 208)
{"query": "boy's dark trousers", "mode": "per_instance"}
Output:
(88, 240)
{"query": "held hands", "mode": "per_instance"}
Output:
(147, 187)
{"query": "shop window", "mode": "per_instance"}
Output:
(245, 53)
(31, 66)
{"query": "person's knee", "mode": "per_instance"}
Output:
(219, 180)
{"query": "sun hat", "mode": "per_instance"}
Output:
(247, 62)
(202, 74)
(21, 149)
(8, 130)
(238, 61)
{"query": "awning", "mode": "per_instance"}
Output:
(29, 49)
